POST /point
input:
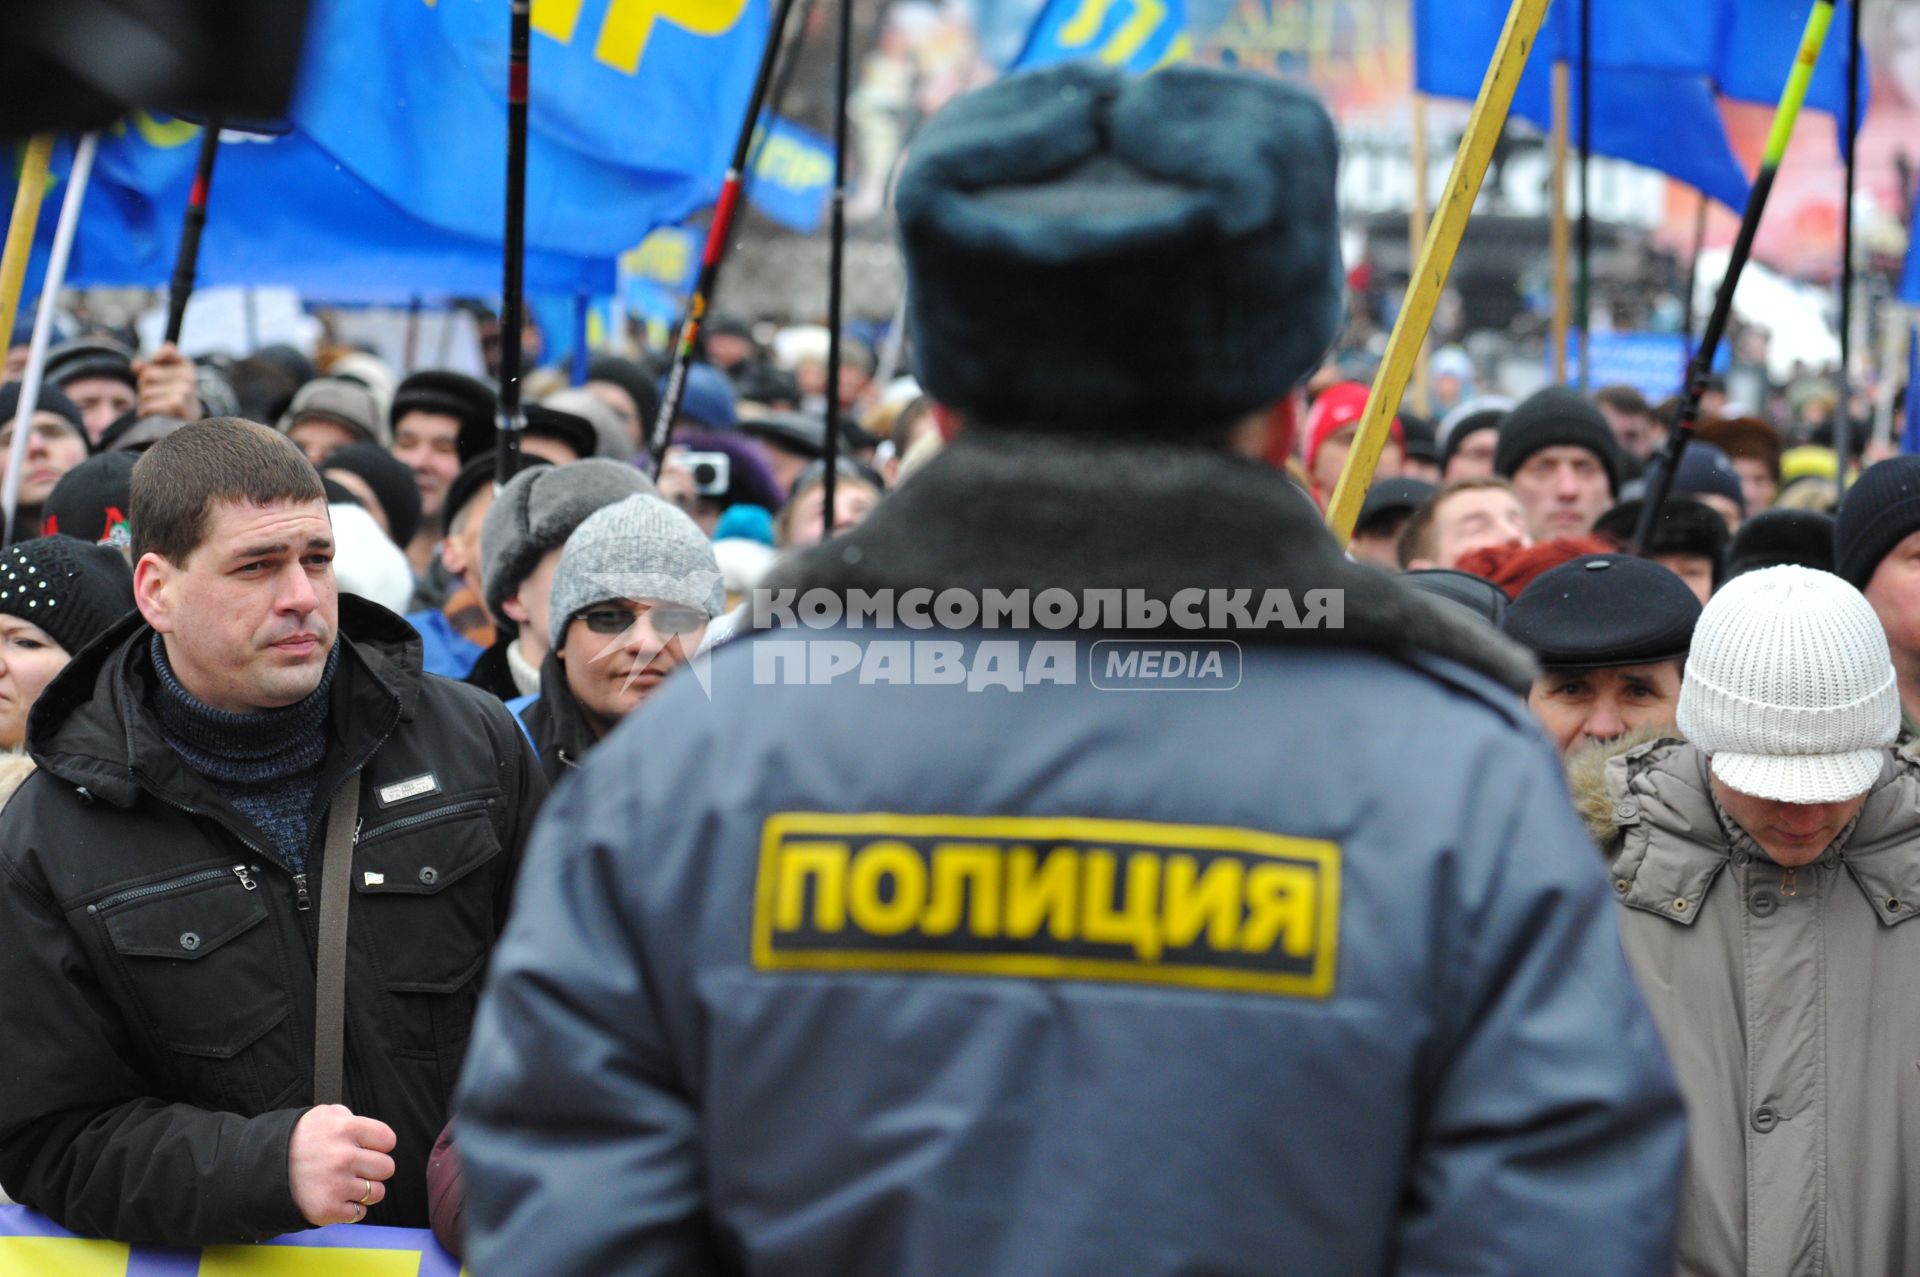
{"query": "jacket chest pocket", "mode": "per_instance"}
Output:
(209, 982)
(423, 891)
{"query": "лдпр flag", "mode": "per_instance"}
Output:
(1138, 35)
(633, 108)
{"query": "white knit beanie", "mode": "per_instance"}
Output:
(1790, 687)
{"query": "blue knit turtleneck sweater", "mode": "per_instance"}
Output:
(267, 764)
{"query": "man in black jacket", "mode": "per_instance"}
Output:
(159, 875)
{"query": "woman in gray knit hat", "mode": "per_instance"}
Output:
(633, 594)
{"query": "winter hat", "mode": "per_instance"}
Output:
(639, 548)
(1685, 526)
(610, 438)
(1744, 437)
(538, 510)
(1704, 471)
(370, 371)
(1393, 498)
(345, 403)
(1419, 437)
(51, 400)
(1162, 251)
(707, 398)
(72, 590)
(1475, 593)
(575, 431)
(1556, 417)
(366, 562)
(456, 395)
(89, 358)
(632, 378)
(1493, 407)
(1338, 407)
(1808, 462)
(1880, 510)
(745, 523)
(390, 480)
(1790, 687)
(1602, 611)
(90, 502)
(1773, 537)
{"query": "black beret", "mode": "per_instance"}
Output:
(1556, 417)
(1880, 510)
(1161, 250)
(1475, 593)
(465, 399)
(1685, 526)
(1393, 496)
(1781, 536)
(1604, 610)
(569, 428)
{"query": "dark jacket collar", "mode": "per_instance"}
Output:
(91, 729)
(562, 724)
(999, 510)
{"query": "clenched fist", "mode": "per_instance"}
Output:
(337, 1164)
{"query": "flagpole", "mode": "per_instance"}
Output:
(186, 259)
(1430, 271)
(1693, 278)
(719, 232)
(70, 203)
(837, 253)
(1558, 204)
(513, 263)
(21, 229)
(1416, 236)
(1843, 424)
(1585, 295)
(1792, 97)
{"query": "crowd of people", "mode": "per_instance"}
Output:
(1360, 968)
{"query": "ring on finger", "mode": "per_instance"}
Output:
(366, 1198)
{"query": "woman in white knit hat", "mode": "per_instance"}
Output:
(1770, 868)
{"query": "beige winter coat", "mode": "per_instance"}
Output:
(1790, 1005)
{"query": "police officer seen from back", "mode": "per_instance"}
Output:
(906, 977)
(163, 895)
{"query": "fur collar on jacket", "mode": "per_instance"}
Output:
(1004, 511)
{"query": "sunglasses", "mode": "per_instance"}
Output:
(666, 619)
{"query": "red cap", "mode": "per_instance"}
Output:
(1338, 407)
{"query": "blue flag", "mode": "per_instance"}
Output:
(1910, 429)
(792, 175)
(1137, 35)
(633, 109)
(280, 212)
(1653, 103)
(1759, 43)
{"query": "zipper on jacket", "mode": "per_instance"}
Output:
(240, 872)
(301, 900)
(425, 817)
(164, 888)
(1789, 884)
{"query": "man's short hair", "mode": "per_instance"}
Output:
(1623, 399)
(1417, 538)
(180, 479)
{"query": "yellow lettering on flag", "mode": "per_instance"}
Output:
(165, 134)
(1134, 33)
(61, 1257)
(1078, 31)
(306, 1261)
(554, 19)
(629, 25)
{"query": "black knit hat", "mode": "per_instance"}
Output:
(88, 358)
(1685, 526)
(467, 400)
(632, 378)
(1880, 510)
(1556, 417)
(1772, 538)
(51, 400)
(1162, 250)
(1604, 610)
(91, 501)
(72, 590)
(391, 481)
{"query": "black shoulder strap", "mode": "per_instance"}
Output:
(330, 976)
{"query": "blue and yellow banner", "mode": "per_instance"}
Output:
(633, 109)
(1138, 35)
(31, 1245)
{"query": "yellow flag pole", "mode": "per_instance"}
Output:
(1417, 231)
(26, 219)
(1436, 260)
(1562, 240)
